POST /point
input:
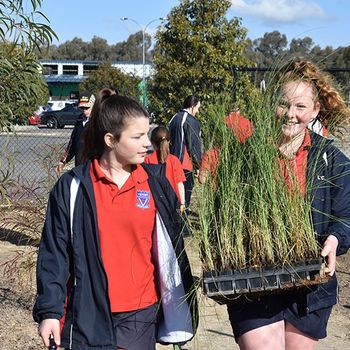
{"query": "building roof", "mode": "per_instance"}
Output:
(64, 78)
(92, 63)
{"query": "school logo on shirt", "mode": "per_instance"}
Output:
(143, 198)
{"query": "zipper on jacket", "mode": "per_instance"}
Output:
(73, 193)
(72, 305)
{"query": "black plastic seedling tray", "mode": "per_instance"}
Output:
(224, 286)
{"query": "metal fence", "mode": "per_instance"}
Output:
(31, 153)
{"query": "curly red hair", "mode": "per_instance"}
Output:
(333, 110)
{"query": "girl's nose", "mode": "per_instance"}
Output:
(290, 112)
(147, 142)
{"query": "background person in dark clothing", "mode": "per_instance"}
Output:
(75, 144)
(186, 142)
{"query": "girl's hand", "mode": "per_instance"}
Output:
(182, 208)
(329, 250)
(59, 168)
(48, 327)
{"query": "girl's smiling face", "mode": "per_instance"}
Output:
(297, 107)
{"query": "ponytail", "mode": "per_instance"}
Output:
(92, 143)
(160, 139)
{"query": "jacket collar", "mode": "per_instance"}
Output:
(319, 141)
(83, 173)
(154, 169)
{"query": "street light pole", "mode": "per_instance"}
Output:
(143, 29)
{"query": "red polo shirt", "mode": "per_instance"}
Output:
(241, 126)
(242, 129)
(210, 161)
(294, 169)
(126, 219)
(174, 171)
(187, 163)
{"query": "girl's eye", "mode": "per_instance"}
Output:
(283, 105)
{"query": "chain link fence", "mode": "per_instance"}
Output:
(30, 154)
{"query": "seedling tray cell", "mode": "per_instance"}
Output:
(224, 286)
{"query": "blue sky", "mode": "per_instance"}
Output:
(325, 21)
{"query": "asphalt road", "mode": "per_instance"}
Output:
(33, 151)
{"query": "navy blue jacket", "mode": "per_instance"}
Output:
(330, 198)
(185, 131)
(72, 249)
(75, 144)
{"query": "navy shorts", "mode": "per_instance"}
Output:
(137, 330)
(248, 314)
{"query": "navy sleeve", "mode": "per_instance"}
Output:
(71, 150)
(53, 257)
(193, 141)
(340, 196)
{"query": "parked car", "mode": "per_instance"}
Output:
(58, 105)
(58, 119)
(34, 119)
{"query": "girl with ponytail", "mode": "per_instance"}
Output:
(160, 139)
(113, 234)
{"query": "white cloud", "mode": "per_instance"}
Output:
(287, 11)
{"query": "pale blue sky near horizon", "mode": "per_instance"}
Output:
(325, 21)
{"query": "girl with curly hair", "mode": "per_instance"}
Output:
(297, 319)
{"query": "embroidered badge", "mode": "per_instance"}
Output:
(143, 198)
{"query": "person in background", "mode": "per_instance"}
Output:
(113, 234)
(160, 139)
(241, 126)
(186, 142)
(296, 320)
(242, 129)
(75, 144)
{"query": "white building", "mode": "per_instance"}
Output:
(63, 77)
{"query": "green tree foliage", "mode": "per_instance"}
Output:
(301, 47)
(98, 49)
(195, 53)
(269, 50)
(75, 49)
(339, 59)
(131, 49)
(22, 85)
(23, 24)
(22, 28)
(266, 50)
(108, 76)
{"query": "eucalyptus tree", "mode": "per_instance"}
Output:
(23, 28)
(196, 51)
(131, 49)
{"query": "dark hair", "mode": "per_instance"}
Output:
(160, 138)
(112, 88)
(108, 115)
(190, 101)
